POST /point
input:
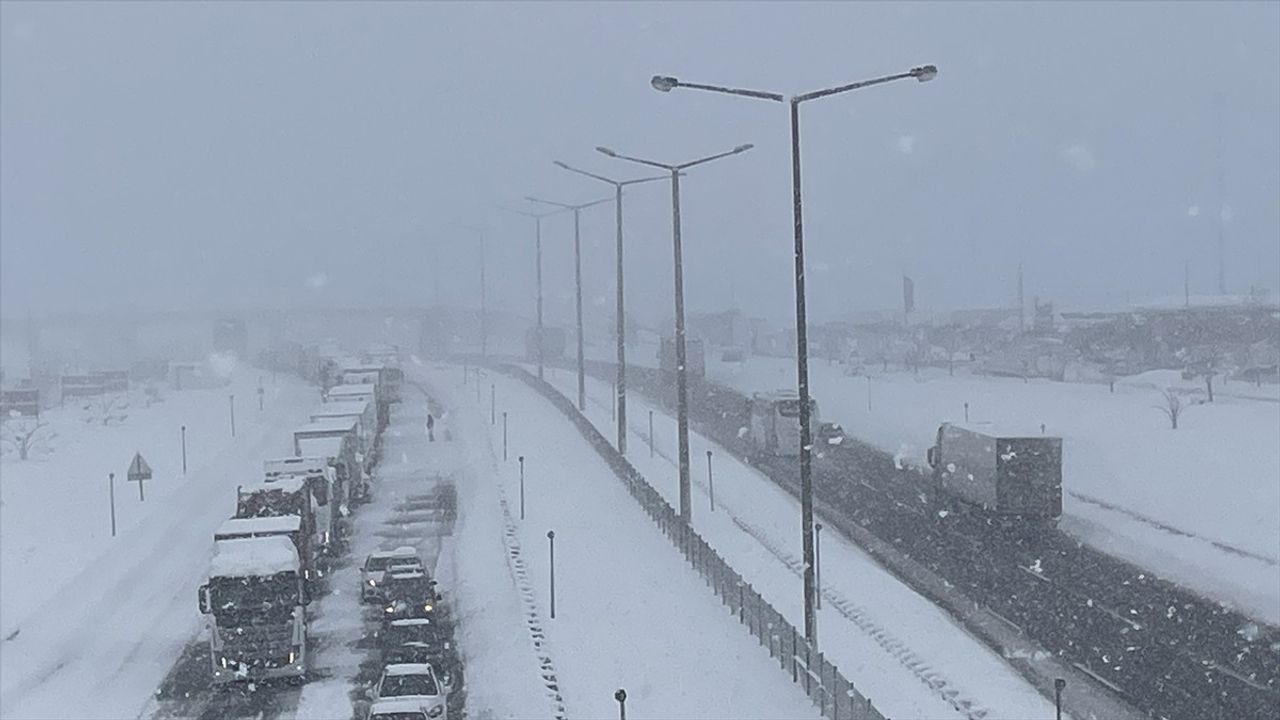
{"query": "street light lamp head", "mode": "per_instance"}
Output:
(664, 83)
(742, 148)
(606, 151)
(925, 73)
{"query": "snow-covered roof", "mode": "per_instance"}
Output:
(996, 430)
(362, 367)
(322, 446)
(402, 551)
(340, 408)
(409, 669)
(309, 465)
(348, 390)
(253, 557)
(409, 575)
(410, 622)
(260, 525)
(327, 425)
(396, 706)
(288, 484)
(776, 395)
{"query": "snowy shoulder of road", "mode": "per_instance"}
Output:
(1196, 505)
(895, 646)
(92, 623)
(629, 612)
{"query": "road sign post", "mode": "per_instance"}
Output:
(139, 471)
(521, 459)
(184, 449)
(111, 488)
(231, 403)
(504, 436)
(551, 540)
(261, 393)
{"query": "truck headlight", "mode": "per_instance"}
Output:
(223, 660)
(428, 607)
(373, 583)
(292, 655)
(389, 608)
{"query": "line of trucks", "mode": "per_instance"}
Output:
(290, 522)
(1002, 473)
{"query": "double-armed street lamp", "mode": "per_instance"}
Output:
(666, 83)
(484, 314)
(620, 319)
(577, 275)
(537, 253)
(682, 389)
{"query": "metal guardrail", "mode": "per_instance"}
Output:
(835, 697)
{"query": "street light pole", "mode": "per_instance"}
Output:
(484, 314)
(682, 390)
(537, 228)
(664, 83)
(577, 273)
(620, 389)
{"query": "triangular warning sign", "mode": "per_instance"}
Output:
(139, 469)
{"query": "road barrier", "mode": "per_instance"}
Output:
(835, 697)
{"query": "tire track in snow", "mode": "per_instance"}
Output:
(520, 574)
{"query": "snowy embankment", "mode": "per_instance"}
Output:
(92, 623)
(900, 650)
(629, 612)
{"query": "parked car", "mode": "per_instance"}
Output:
(406, 687)
(375, 569)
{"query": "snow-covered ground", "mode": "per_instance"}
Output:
(629, 612)
(92, 623)
(1197, 505)
(900, 650)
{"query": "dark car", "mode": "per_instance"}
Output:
(422, 640)
(409, 595)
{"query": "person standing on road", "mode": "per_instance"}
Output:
(431, 428)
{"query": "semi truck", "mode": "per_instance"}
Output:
(695, 363)
(364, 413)
(286, 526)
(1001, 472)
(362, 391)
(773, 425)
(321, 481)
(254, 605)
(350, 479)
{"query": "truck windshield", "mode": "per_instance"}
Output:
(401, 685)
(269, 597)
(791, 408)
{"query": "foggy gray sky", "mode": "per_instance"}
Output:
(241, 155)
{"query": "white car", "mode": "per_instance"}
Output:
(413, 684)
(375, 568)
(396, 710)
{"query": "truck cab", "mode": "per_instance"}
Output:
(255, 607)
(363, 414)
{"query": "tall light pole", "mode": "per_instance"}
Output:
(682, 387)
(664, 83)
(484, 313)
(577, 275)
(619, 312)
(537, 229)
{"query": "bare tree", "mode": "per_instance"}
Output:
(1172, 407)
(106, 409)
(23, 435)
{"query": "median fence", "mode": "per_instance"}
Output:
(834, 695)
